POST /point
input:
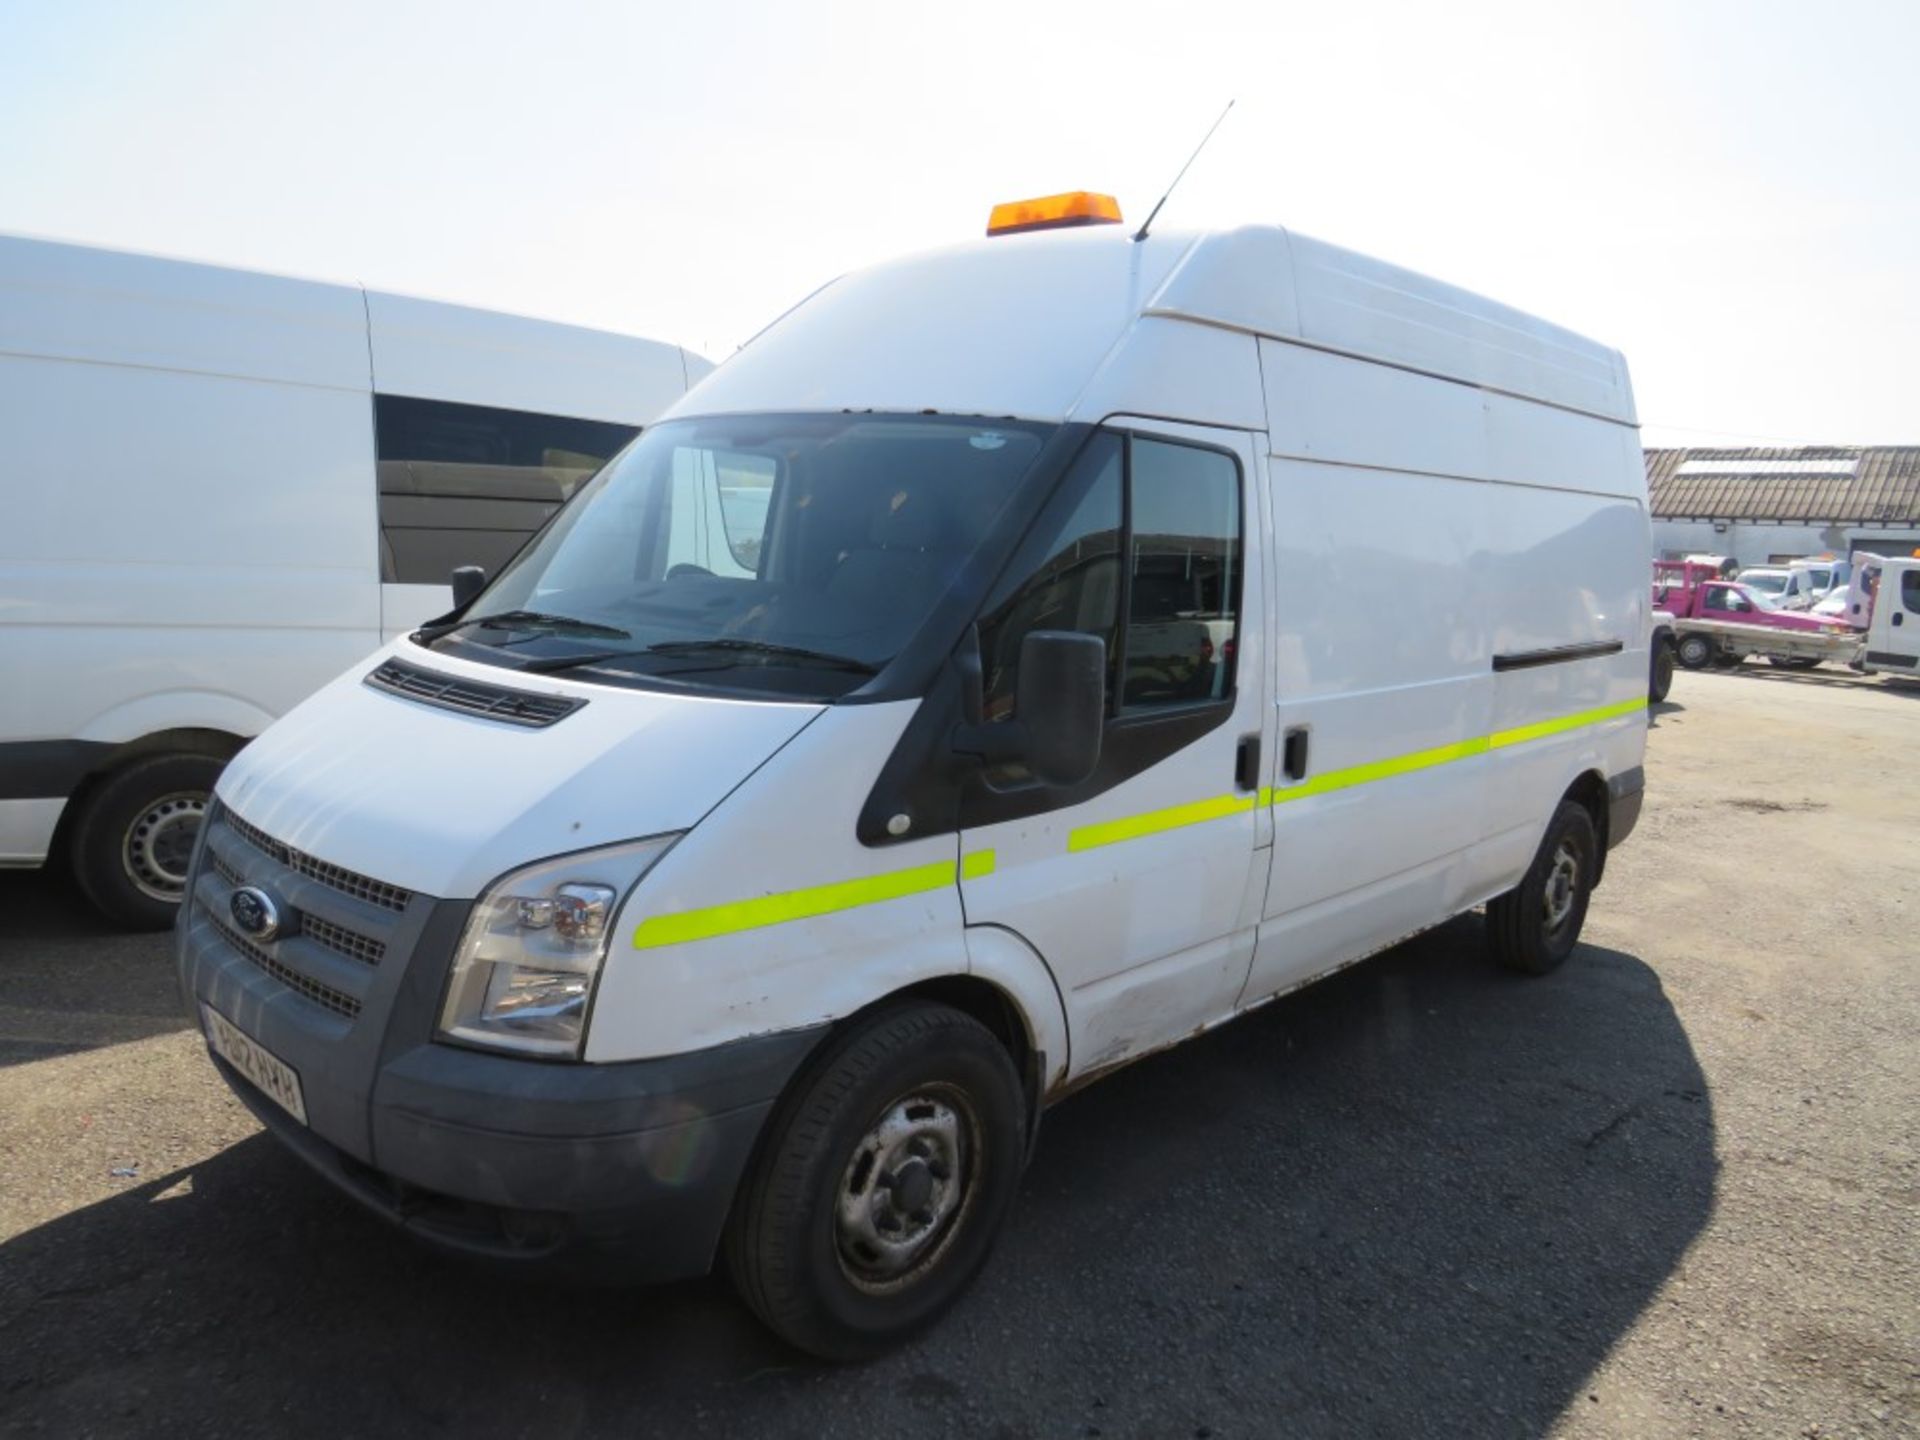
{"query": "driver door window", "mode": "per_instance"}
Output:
(1173, 511)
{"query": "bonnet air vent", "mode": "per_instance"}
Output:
(472, 697)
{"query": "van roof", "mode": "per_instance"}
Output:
(63, 301)
(1020, 325)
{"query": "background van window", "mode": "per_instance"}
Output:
(467, 484)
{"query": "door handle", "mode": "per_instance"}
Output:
(1246, 763)
(1293, 759)
(1898, 618)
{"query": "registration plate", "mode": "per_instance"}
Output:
(271, 1075)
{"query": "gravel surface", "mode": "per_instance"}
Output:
(1671, 1190)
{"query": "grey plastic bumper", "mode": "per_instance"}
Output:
(616, 1171)
(604, 1171)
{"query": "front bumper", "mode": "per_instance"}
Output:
(611, 1171)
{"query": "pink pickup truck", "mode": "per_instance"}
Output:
(1688, 591)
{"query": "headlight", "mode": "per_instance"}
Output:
(533, 947)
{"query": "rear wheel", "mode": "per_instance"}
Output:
(1661, 680)
(1695, 652)
(134, 837)
(1534, 926)
(883, 1180)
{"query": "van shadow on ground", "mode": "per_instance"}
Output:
(1423, 1197)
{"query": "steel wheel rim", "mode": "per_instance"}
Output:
(158, 845)
(907, 1189)
(1562, 889)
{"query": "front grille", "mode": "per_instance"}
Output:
(471, 697)
(334, 877)
(337, 938)
(324, 996)
(341, 940)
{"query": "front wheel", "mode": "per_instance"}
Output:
(1534, 926)
(1696, 652)
(881, 1184)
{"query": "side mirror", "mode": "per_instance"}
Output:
(1062, 700)
(468, 582)
(1059, 713)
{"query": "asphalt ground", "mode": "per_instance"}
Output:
(1670, 1190)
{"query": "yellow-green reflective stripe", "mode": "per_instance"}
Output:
(1379, 770)
(870, 890)
(1111, 832)
(1524, 733)
(659, 930)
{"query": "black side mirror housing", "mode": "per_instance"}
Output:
(1059, 713)
(468, 582)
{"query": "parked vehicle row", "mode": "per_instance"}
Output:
(1711, 621)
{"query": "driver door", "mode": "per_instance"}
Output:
(1140, 888)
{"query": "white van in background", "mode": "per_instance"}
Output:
(222, 488)
(1890, 589)
(1053, 712)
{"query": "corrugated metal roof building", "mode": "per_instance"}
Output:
(1766, 504)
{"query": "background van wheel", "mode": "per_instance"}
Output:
(882, 1181)
(1661, 681)
(1534, 926)
(1695, 652)
(134, 837)
(1795, 662)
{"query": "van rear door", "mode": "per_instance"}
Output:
(1141, 887)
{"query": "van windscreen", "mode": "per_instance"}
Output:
(791, 553)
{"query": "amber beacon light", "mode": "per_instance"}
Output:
(1054, 212)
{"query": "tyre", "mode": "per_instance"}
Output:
(134, 837)
(881, 1182)
(1662, 679)
(1534, 926)
(1695, 652)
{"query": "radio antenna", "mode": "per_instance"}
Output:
(1141, 234)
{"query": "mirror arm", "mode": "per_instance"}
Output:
(991, 744)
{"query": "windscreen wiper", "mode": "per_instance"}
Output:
(531, 620)
(797, 653)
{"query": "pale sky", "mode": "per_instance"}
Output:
(1729, 192)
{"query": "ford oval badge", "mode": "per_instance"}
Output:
(255, 913)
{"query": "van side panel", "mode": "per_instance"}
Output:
(182, 551)
(1426, 531)
(1379, 657)
(71, 302)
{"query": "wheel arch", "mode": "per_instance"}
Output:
(1588, 790)
(186, 740)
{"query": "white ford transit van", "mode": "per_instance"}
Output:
(1017, 659)
(218, 489)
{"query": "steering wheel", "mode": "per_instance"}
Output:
(685, 568)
